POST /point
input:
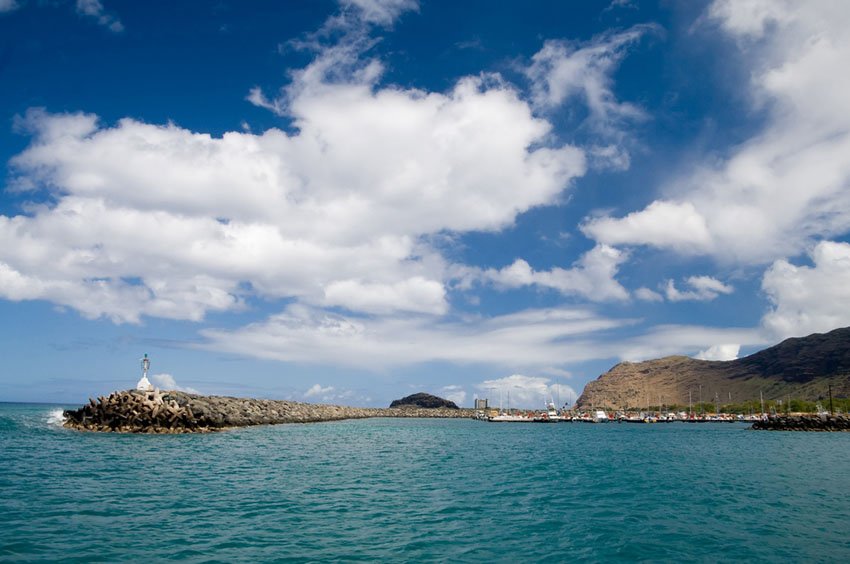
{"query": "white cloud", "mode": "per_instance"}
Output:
(331, 394)
(256, 97)
(526, 392)
(665, 340)
(719, 352)
(592, 276)
(544, 340)
(677, 226)
(414, 295)
(177, 222)
(381, 12)
(809, 299)
(648, 295)
(167, 382)
(786, 186)
(539, 338)
(562, 71)
(612, 157)
(454, 393)
(94, 9)
(751, 18)
(318, 390)
(703, 288)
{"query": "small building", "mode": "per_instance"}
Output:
(481, 403)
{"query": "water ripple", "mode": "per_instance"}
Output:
(421, 490)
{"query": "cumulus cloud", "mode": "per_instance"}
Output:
(719, 352)
(526, 392)
(703, 288)
(677, 226)
(167, 382)
(137, 219)
(592, 276)
(809, 299)
(318, 390)
(785, 187)
(94, 9)
(751, 18)
(175, 222)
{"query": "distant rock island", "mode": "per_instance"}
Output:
(155, 411)
(802, 368)
(424, 401)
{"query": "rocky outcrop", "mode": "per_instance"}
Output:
(425, 401)
(800, 367)
(135, 411)
(804, 423)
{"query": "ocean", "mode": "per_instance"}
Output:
(416, 490)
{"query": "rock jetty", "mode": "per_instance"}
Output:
(804, 423)
(136, 411)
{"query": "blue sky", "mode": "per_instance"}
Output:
(349, 201)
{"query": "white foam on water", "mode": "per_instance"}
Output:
(55, 417)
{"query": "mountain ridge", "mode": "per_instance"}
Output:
(802, 367)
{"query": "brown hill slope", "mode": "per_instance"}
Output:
(800, 367)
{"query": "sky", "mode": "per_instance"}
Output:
(351, 201)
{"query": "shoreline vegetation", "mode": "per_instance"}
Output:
(136, 411)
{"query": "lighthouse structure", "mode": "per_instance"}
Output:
(145, 384)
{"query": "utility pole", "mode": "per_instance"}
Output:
(761, 393)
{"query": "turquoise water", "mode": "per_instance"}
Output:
(423, 490)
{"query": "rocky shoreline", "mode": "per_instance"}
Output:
(135, 411)
(804, 423)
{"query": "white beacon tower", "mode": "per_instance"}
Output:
(144, 384)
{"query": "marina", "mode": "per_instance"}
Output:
(552, 415)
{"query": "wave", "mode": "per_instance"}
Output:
(55, 417)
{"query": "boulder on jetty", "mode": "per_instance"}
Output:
(137, 411)
(804, 423)
(424, 401)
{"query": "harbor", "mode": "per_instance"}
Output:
(567, 414)
(602, 416)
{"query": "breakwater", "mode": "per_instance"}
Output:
(804, 423)
(135, 411)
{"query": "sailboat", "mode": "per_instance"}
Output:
(508, 417)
